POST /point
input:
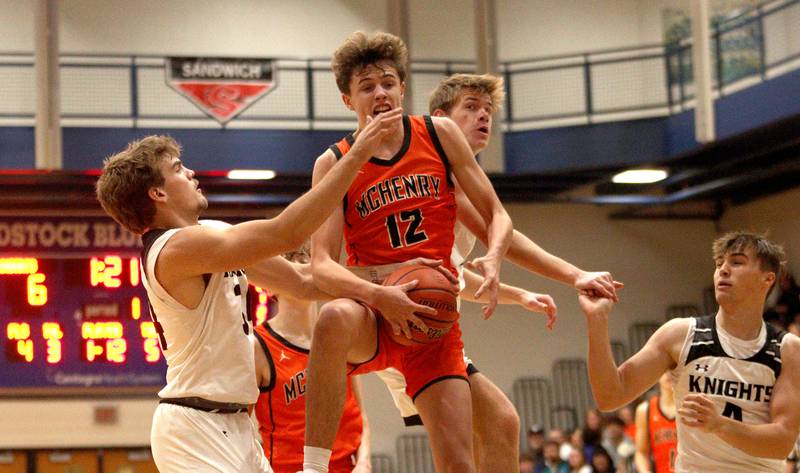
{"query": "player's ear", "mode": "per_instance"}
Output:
(347, 102)
(157, 194)
(439, 113)
(770, 278)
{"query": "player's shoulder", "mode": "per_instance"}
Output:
(326, 160)
(790, 348)
(218, 224)
(677, 327)
(444, 125)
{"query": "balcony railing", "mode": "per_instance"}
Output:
(641, 81)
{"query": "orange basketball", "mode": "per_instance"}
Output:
(433, 290)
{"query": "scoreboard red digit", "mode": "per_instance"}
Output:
(73, 310)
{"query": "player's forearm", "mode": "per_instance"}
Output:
(604, 376)
(527, 254)
(642, 462)
(760, 440)
(336, 280)
(500, 233)
(307, 213)
(505, 295)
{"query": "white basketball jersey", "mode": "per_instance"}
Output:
(462, 246)
(741, 389)
(207, 349)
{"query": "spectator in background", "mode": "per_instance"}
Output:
(592, 431)
(559, 436)
(577, 462)
(552, 461)
(527, 464)
(601, 461)
(627, 415)
(786, 305)
(536, 444)
(619, 446)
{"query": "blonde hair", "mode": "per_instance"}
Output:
(359, 51)
(450, 89)
(127, 177)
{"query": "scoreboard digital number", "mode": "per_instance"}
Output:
(75, 319)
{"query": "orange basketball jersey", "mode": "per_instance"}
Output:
(663, 438)
(281, 409)
(404, 207)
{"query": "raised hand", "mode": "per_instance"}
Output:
(599, 284)
(489, 267)
(593, 305)
(542, 303)
(376, 130)
(398, 310)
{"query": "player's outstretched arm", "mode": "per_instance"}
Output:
(530, 256)
(772, 440)
(511, 295)
(481, 194)
(641, 458)
(202, 249)
(286, 277)
(614, 387)
(335, 279)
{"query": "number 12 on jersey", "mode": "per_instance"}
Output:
(412, 235)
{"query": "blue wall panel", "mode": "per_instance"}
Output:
(287, 151)
(17, 148)
(758, 105)
(589, 146)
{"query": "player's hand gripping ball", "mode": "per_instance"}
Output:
(433, 290)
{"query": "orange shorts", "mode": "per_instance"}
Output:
(422, 365)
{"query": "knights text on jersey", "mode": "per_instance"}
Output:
(281, 411)
(741, 389)
(207, 351)
(404, 207)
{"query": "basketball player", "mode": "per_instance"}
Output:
(736, 378)
(194, 274)
(656, 434)
(401, 206)
(281, 356)
(471, 101)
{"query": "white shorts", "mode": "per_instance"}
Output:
(396, 384)
(184, 439)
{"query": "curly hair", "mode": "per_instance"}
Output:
(359, 51)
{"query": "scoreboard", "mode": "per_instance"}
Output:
(73, 311)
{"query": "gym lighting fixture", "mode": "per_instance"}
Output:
(262, 174)
(640, 176)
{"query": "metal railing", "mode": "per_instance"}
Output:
(646, 80)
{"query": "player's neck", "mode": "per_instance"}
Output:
(294, 321)
(169, 219)
(741, 321)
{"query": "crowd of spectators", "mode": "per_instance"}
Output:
(603, 444)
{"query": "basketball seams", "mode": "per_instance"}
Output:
(437, 289)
